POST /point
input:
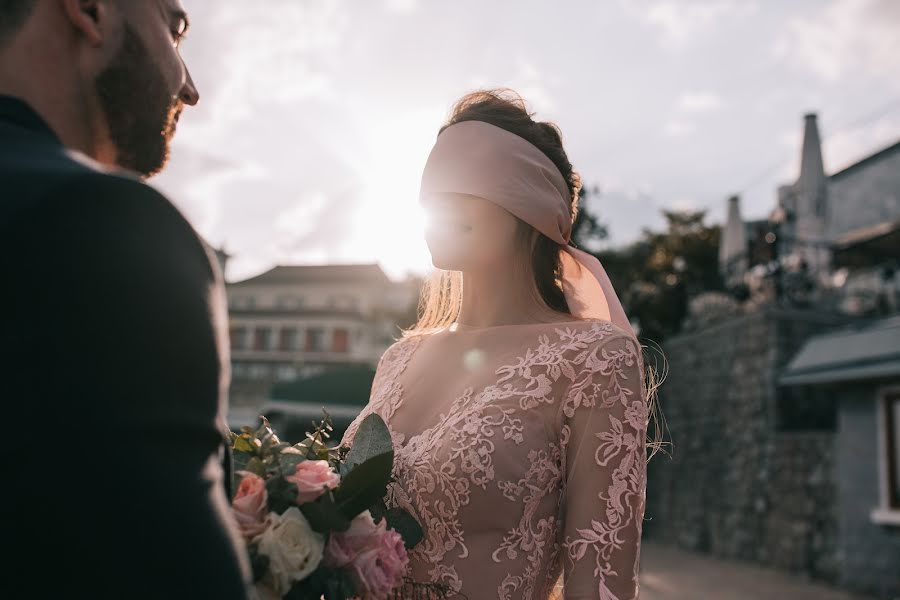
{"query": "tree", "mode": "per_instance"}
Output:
(656, 276)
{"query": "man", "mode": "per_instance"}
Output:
(113, 344)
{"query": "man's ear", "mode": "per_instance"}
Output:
(89, 17)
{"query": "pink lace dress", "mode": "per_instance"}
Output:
(521, 451)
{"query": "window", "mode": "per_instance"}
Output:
(258, 371)
(242, 302)
(286, 372)
(238, 338)
(289, 302)
(888, 407)
(344, 302)
(289, 340)
(315, 340)
(262, 339)
(339, 340)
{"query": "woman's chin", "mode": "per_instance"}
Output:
(447, 263)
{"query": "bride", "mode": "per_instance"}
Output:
(517, 404)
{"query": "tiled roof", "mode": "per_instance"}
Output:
(306, 274)
(868, 351)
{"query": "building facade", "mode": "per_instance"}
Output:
(817, 221)
(782, 402)
(295, 321)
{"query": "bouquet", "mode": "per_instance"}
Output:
(314, 519)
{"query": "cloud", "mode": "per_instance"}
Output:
(849, 35)
(684, 205)
(840, 148)
(529, 82)
(678, 128)
(317, 115)
(682, 21)
(848, 146)
(401, 6)
(699, 101)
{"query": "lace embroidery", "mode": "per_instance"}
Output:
(386, 393)
(436, 469)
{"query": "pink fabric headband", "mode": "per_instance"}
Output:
(480, 159)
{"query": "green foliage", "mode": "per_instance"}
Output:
(403, 523)
(324, 515)
(365, 473)
(364, 485)
(333, 584)
(372, 439)
(258, 562)
(657, 275)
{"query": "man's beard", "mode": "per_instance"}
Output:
(140, 112)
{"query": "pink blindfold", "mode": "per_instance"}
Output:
(479, 159)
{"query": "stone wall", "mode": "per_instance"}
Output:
(735, 486)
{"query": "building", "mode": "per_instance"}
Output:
(296, 321)
(857, 370)
(815, 219)
(783, 411)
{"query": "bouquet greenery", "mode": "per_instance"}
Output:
(314, 520)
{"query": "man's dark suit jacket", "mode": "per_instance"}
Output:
(113, 379)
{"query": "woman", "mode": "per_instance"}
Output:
(517, 403)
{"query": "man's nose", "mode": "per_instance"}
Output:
(189, 94)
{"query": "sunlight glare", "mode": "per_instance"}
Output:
(390, 227)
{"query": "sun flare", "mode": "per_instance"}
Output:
(390, 225)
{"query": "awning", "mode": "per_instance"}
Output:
(867, 246)
(870, 351)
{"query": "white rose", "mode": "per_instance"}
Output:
(293, 548)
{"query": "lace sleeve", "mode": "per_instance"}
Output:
(603, 432)
(377, 382)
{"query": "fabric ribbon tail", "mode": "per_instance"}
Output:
(588, 290)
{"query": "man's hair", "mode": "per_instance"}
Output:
(13, 13)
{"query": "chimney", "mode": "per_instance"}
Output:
(812, 182)
(733, 244)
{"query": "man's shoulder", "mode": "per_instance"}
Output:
(37, 175)
(30, 163)
(86, 205)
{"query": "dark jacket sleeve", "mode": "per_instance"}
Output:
(118, 364)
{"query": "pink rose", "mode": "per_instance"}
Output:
(379, 570)
(343, 547)
(312, 478)
(250, 505)
(376, 556)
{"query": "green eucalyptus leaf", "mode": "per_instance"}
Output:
(282, 494)
(377, 510)
(289, 461)
(245, 443)
(372, 439)
(406, 525)
(240, 460)
(258, 562)
(364, 485)
(324, 515)
(255, 466)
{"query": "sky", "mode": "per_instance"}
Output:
(316, 116)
